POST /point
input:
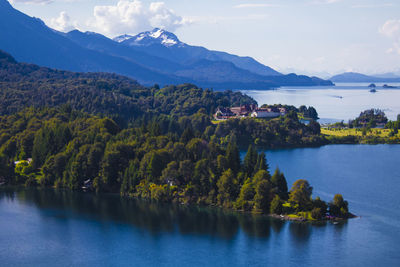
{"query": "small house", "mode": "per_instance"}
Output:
(223, 114)
(266, 113)
(244, 110)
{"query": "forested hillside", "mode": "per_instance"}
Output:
(107, 133)
(26, 85)
(74, 150)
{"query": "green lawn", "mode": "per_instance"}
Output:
(356, 132)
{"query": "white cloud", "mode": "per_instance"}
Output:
(43, 2)
(133, 16)
(391, 29)
(249, 5)
(227, 19)
(62, 23)
(325, 2)
(373, 5)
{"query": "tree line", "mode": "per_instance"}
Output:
(75, 150)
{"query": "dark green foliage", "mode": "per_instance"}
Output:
(314, 127)
(370, 118)
(309, 112)
(78, 151)
(319, 209)
(276, 205)
(285, 131)
(150, 143)
(300, 195)
(279, 182)
(261, 163)
(121, 98)
(6, 170)
(246, 196)
(339, 207)
(317, 214)
(250, 161)
(262, 197)
(227, 188)
(233, 157)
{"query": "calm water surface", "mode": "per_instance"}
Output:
(340, 102)
(56, 228)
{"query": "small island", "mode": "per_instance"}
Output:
(389, 86)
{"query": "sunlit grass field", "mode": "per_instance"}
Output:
(356, 132)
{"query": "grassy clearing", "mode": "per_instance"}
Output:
(356, 132)
(306, 215)
(216, 122)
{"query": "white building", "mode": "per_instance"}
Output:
(265, 113)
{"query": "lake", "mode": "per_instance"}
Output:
(334, 103)
(59, 228)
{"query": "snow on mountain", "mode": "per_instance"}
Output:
(156, 36)
(121, 38)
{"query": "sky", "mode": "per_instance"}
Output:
(312, 37)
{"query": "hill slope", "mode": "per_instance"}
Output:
(167, 45)
(30, 40)
(26, 85)
(156, 57)
(360, 78)
(162, 51)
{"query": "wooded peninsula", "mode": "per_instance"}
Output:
(107, 133)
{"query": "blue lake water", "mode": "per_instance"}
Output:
(58, 228)
(341, 102)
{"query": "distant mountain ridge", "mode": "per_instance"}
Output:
(361, 78)
(151, 57)
(165, 44)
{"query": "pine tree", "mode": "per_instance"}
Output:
(232, 156)
(250, 161)
(262, 196)
(261, 163)
(279, 181)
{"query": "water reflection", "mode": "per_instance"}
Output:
(154, 217)
(301, 232)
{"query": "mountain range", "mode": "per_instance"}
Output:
(362, 78)
(150, 57)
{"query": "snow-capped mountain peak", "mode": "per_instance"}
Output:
(156, 36)
(121, 38)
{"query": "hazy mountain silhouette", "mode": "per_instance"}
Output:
(151, 57)
(358, 77)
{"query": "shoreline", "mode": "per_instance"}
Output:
(285, 217)
(282, 217)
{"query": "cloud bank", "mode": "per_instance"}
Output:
(62, 23)
(391, 29)
(251, 5)
(133, 16)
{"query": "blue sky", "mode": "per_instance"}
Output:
(319, 37)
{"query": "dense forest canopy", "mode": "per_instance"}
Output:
(129, 103)
(107, 133)
(26, 85)
(75, 150)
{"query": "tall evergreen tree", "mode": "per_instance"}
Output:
(232, 156)
(262, 196)
(279, 181)
(261, 163)
(250, 161)
(227, 188)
